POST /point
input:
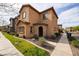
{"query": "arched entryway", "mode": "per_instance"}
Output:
(40, 31)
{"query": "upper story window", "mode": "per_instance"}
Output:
(45, 15)
(24, 15)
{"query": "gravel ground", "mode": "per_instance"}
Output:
(46, 46)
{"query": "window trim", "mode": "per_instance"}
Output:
(21, 29)
(45, 15)
(24, 15)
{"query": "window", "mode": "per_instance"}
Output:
(24, 15)
(30, 29)
(21, 29)
(45, 16)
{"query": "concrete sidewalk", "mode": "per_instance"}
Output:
(62, 47)
(52, 43)
(6, 48)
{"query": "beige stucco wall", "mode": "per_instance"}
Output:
(21, 25)
(52, 22)
(26, 29)
(35, 17)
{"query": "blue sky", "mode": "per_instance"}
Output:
(68, 13)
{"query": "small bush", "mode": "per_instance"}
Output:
(42, 41)
(16, 35)
(75, 43)
(71, 38)
(36, 37)
(32, 36)
(57, 34)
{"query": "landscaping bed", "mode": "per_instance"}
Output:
(74, 44)
(25, 47)
(46, 45)
(75, 50)
(54, 38)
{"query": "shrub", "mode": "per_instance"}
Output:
(32, 36)
(57, 34)
(36, 37)
(75, 43)
(71, 38)
(42, 41)
(16, 35)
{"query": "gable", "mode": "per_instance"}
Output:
(21, 22)
(49, 10)
(30, 7)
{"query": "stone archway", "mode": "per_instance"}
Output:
(40, 31)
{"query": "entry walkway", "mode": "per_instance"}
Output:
(6, 48)
(62, 47)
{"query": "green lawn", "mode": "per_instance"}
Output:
(25, 47)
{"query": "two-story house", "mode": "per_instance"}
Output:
(32, 22)
(12, 25)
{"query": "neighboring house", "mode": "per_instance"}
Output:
(32, 22)
(68, 29)
(4, 28)
(12, 25)
(60, 28)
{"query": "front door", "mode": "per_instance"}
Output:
(40, 31)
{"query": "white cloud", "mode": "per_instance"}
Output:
(43, 6)
(60, 5)
(7, 10)
(69, 17)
